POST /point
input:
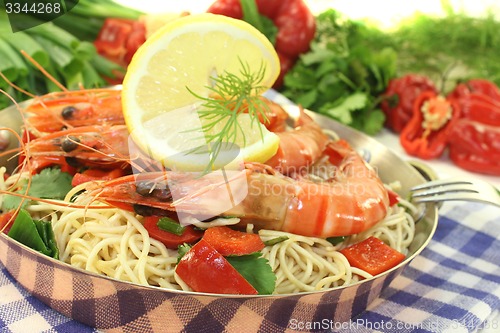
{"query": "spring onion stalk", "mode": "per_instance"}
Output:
(52, 32)
(169, 225)
(63, 47)
(276, 240)
(105, 67)
(22, 41)
(82, 27)
(104, 8)
(7, 66)
(62, 57)
(87, 17)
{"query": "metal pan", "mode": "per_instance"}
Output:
(109, 304)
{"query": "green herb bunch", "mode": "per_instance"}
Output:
(454, 47)
(342, 76)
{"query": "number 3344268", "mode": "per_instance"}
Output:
(33, 8)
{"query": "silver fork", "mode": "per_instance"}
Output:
(457, 188)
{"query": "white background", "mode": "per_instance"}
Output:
(386, 12)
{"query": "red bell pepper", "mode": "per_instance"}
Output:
(479, 100)
(39, 163)
(394, 198)
(474, 142)
(169, 239)
(480, 108)
(372, 255)
(119, 39)
(6, 221)
(426, 134)
(475, 146)
(296, 25)
(233, 242)
(204, 269)
(96, 174)
(478, 86)
(399, 97)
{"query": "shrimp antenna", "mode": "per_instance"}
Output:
(13, 85)
(41, 69)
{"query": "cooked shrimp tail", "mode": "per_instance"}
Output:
(351, 201)
(300, 147)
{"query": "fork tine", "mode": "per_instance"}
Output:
(466, 196)
(441, 182)
(456, 188)
(445, 188)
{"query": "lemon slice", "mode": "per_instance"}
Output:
(186, 54)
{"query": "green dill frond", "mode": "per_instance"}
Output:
(230, 95)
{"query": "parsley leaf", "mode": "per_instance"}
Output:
(256, 270)
(342, 76)
(343, 108)
(50, 183)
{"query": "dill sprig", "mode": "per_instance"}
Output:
(230, 96)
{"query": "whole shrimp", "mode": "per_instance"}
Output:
(104, 146)
(67, 108)
(61, 110)
(56, 129)
(351, 201)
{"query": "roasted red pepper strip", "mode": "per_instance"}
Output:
(171, 240)
(426, 135)
(475, 147)
(204, 269)
(39, 163)
(399, 97)
(6, 221)
(394, 198)
(233, 242)
(96, 174)
(295, 23)
(372, 255)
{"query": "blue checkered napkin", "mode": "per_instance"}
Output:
(453, 286)
(21, 312)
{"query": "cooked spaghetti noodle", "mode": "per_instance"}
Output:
(113, 242)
